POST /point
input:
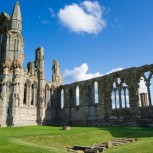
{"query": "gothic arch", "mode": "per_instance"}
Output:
(77, 95)
(120, 94)
(32, 94)
(146, 89)
(62, 98)
(25, 94)
(96, 92)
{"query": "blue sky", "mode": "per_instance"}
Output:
(126, 39)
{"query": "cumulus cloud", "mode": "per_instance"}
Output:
(86, 17)
(81, 73)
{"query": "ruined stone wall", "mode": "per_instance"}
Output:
(129, 108)
(26, 98)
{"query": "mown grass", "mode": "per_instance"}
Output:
(43, 139)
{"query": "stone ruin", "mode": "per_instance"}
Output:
(26, 98)
(120, 98)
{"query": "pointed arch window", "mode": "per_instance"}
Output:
(77, 96)
(25, 94)
(96, 96)
(120, 94)
(32, 95)
(146, 89)
(62, 99)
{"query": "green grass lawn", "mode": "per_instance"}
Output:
(43, 139)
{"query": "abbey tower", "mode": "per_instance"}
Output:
(25, 95)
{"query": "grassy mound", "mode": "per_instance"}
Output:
(43, 139)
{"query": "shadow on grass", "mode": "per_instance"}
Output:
(126, 132)
(129, 132)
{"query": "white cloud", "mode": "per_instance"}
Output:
(81, 73)
(86, 17)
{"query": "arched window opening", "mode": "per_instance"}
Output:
(151, 89)
(62, 99)
(25, 93)
(146, 90)
(77, 96)
(125, 95)
(127, 104)
(113, 96)
(96, 96)
(120, 94)
(8, 111)
(32, 94)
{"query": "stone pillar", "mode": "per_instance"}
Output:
(35, 96)
(124, 89)
(41, 84)
(15, 96)
(148, 90)
(120, 98)
(115, 98)
(29, 94)
(101, 91)
(3, 99)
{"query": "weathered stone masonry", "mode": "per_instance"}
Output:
(128, 109)
(26, 98)
(25, 95)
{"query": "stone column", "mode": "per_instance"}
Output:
(124, 89)
(41, 84)
(15, 97)
(29, 95)
(148, 90)
(120, 98)
(3, 99)
(115, 97)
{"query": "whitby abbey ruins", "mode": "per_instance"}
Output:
(26, 98)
